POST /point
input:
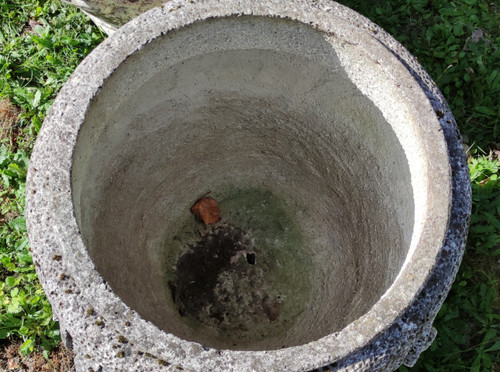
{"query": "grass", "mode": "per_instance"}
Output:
(457, 42)
(41, 43)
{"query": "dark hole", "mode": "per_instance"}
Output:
(251, 258)
(69, 341)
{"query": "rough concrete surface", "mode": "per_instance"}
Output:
(341, 178)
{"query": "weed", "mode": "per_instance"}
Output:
(41, 43)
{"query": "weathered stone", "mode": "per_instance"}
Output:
(337, 165)
(109, 15)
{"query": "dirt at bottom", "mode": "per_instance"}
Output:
(243, 283)
(220, 282)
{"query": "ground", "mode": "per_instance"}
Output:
(59, 359)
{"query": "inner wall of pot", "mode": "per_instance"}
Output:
(257, 107)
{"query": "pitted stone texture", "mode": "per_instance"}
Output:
(109, 335)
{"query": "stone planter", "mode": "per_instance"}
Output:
(337, 165)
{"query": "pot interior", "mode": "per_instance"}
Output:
(317, 207)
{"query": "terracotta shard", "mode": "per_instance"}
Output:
(207, 210)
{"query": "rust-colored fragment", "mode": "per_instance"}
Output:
(206, 209)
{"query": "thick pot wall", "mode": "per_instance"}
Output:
(314, 104)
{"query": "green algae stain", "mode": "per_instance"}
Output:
(278, 239)
(271, 287)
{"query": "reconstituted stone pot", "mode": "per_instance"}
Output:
(339, 171)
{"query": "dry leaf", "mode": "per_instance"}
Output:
(207, 210)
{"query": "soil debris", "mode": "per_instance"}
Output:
(220, 282)
(9, 114)
(60, 359)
